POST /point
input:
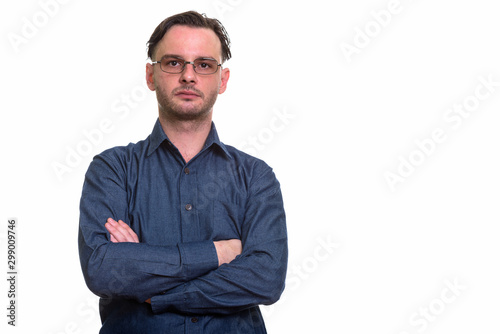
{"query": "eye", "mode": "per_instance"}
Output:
(170, 62)
(205, 66)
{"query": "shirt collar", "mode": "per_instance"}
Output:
(158, 136)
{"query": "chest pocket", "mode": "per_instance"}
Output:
(227, 220)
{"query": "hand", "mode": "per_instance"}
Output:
(120, 232)
(227, 250)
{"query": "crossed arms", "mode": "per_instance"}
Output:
(227, 250)
(203, 277)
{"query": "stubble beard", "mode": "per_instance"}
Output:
(175, 112)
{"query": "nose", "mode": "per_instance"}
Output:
(188, 75)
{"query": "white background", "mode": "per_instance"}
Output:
(364, 257)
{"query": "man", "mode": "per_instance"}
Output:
(180, 233)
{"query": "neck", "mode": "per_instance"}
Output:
(188, 136)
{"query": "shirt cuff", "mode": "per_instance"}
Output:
(171, 302)
(198, 258)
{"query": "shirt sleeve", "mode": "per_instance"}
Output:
(257, 276)
(135, 271)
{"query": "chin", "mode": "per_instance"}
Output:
(186, 114)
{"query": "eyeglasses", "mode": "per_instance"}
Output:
(175, 65)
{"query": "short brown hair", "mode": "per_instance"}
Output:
(190, 19)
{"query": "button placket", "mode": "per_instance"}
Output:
(188, 191)
(194, 324)
(188, 206)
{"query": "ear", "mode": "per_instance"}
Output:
(224, 77)
(150, 80)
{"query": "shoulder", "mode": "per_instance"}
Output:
(255, 171)
(119, 158)
(246, 160)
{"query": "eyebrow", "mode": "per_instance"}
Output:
(171, 55)
(179, 57)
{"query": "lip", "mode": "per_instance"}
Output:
(189, 94)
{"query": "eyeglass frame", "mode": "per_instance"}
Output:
(186, 63)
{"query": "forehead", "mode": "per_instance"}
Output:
(189, 43)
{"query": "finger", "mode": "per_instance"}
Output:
(109, 227)
(115, 234)
(127, 230)
(115, 230)
(110, 224)
(121, 231)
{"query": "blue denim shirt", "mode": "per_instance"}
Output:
(177, 210)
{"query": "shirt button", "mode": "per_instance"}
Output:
(188, 207)
(194, 320)
(186, 170)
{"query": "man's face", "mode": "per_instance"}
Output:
(187, 95)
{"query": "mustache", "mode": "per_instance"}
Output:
(188, 88)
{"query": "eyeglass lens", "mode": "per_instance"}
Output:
(176, 65)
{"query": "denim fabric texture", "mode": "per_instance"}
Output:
(178, 210)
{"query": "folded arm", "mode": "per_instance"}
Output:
(197, 277)
(128, 269)
(227, 250)
(255, 277)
